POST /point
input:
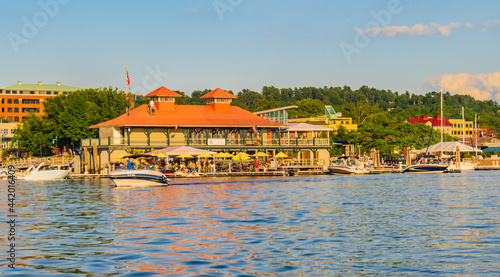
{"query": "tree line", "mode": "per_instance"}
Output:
(379, 113)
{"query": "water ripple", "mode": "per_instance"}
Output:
(443, 224)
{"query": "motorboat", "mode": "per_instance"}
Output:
(426, 168)
(43, 171)
(427, 164)
(137, 178)
(348, 166)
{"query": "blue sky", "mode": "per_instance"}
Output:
(237, 44)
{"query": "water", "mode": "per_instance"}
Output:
(386, 225)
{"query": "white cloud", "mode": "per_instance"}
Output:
(416, 30)
(490, 23)
(480, 86)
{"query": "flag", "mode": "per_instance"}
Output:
(254, 128)
(176, 127)
(128, 80)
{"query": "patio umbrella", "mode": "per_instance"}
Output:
(223, 155)
(185, 155)
(260, 154)
(161, 155)
(204, 155)
(241, 156)
(281, 155)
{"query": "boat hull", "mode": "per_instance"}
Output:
(47, 175)
(346, 170)
(137, 178)
(426, 168)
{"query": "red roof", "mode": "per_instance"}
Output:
(435, 122)
(190, 116)
(163, 91)
(218, 93)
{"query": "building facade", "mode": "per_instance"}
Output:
(457, 130)
(330, 119)
(435, 123)
(216, 126)
(18, 101)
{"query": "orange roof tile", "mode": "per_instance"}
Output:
(163, 91)
(190, 116)
(218, 93)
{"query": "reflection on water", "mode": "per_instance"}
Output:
(397, 224)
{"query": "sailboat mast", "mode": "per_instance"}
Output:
(475, 131)
(463, 126)
(442, 122)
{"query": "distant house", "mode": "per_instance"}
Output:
(433, 122)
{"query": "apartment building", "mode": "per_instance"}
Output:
(19, 100)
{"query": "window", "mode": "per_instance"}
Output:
(3, 110)
(32, 92)
(49, 92)
(9, 118)
(28, 110)
(65, 92)
(7, 92)
(9, 101)
(16, 118)
(16, 110)
(16, 101)
(31, 101)
(9, 110)
(56, 92)
(14, 92)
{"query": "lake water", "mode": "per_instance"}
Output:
(386, 225)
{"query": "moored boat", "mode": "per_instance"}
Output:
(348, 166)
(426, 168)
(43, 172)
(137, 178)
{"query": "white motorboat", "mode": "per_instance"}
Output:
(348, 166)
(43, 171)
(137, 178)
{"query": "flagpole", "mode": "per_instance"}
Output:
(126, 80)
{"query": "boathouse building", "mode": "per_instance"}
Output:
(216, 126)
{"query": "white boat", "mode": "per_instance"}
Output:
(43, 171)
(137, 178)
(426, 168)
(348, 166)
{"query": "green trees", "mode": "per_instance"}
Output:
(68, 118)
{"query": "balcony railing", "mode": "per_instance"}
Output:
(143, 142)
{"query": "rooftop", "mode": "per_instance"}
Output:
(40, 87)
(163, 91)
(218, 93)
(191, 116)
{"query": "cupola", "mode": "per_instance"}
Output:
(219, 100)
(161, 99)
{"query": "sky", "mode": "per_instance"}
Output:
(398, 45)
